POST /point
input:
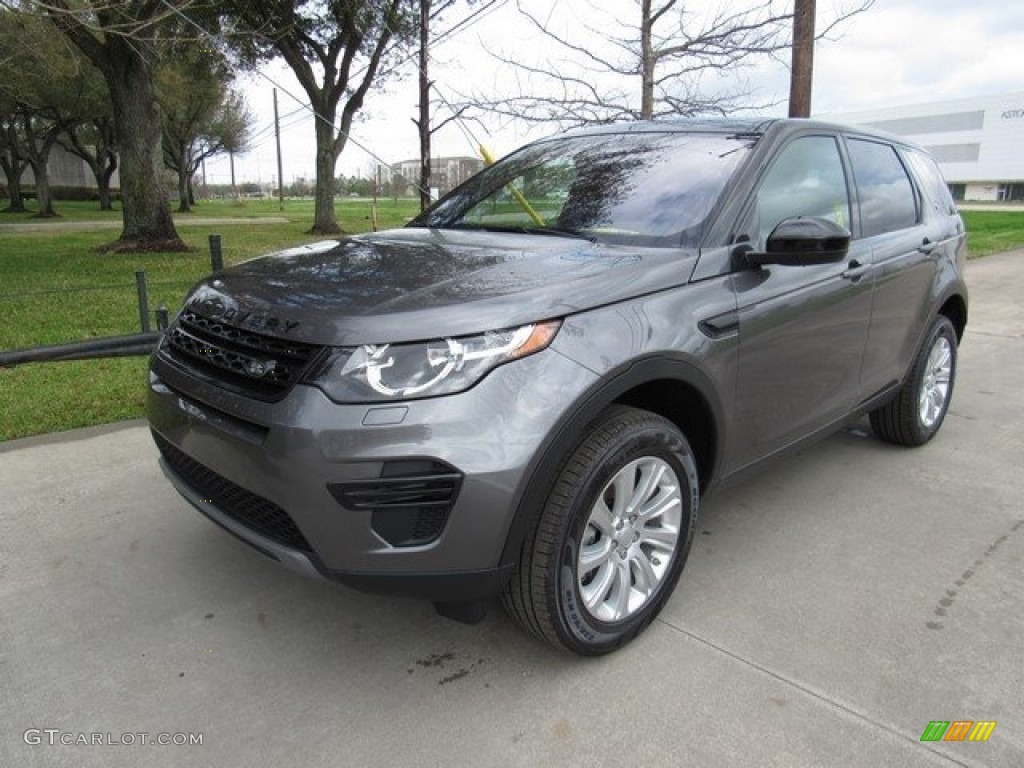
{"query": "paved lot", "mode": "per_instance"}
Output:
(832, 607)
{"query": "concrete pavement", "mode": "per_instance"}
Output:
(833, 606)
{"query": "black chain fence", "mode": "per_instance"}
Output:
(151, 324)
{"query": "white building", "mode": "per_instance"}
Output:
(446, 173)
(978, 142)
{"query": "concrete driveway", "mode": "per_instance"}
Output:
(833, 606)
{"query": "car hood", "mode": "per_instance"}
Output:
(413, 284)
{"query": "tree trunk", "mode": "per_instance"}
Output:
(424, 122)
(146, 210)
(103, 176)
(39, 140)
(103, 192)
(102, 171)
(647, 62)
(16, 200)
(43, 197)
(801, 77)
(324, 220)
(102, 160)
(183, 196)
(13, 164)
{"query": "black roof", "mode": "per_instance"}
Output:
(753, 126)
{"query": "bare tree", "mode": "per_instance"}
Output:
(657, 66)
(336, 51)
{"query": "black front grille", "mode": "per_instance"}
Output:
(264, 367)
(255, 512)
(409, 503)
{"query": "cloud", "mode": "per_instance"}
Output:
(911, 51)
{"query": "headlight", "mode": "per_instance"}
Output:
(377, 372)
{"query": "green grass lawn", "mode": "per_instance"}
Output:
(993, 231)
(55, 288)
(350, 211)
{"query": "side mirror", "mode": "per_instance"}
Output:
(803, 241)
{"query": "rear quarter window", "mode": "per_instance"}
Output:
(888, 201)
(930, 177)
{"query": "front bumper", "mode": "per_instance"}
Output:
(294, 462)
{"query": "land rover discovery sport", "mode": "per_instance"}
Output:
(527, 391)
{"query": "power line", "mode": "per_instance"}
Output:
(464, 24)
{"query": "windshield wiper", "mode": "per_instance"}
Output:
(519, 229)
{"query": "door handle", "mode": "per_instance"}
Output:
(926, 247)
(855, 271)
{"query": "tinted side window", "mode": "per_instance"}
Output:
(887, 198)
(806, 179)
(930, 176)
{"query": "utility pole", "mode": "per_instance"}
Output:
(424, 122)
(802, 74)
(280, 173)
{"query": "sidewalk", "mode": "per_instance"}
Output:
(89, 226)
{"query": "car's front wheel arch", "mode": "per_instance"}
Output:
(613, 535)
(675, 388)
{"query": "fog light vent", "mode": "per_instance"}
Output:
(409, 503)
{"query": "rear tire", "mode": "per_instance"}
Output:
(612, 537)
(915, 414)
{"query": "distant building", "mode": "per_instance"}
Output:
(978, 142)
(446, 173)
(66, 170)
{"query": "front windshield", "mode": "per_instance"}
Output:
(652, 189)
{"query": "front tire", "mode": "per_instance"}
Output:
(612, 537)
(915, 414)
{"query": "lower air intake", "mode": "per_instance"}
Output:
(408, 504)
(254, 512)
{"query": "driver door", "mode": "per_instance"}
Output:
(802, 329)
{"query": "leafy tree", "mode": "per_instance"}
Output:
(12, 161)
(43, 91)
(92, 135)
(123, 41)
(203, 117)
(337, 50)
(95, 142)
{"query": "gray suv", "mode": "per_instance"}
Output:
(526, 392)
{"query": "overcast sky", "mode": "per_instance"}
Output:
(899, 52)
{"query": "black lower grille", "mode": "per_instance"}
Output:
(254, 364)
(254, 512)
(409, 503)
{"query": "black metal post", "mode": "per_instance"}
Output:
(161, 317)
(216, 255)
(143, 293)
